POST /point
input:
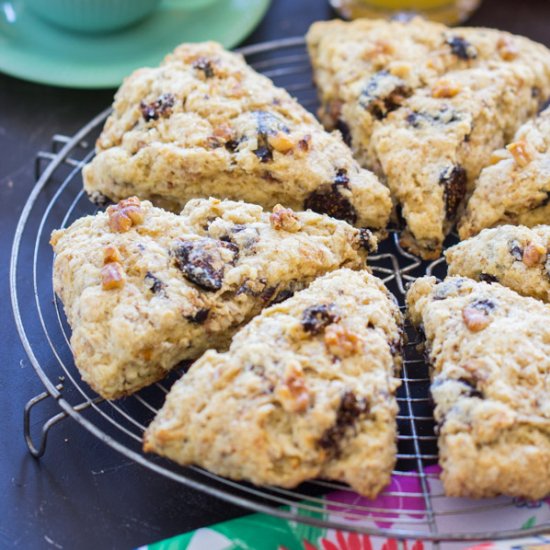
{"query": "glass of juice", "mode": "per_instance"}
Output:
(444, 11)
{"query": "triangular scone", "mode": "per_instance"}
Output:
(515, 188)
(489, 349)
(512, 255)
(204, 123)
(144, 289)
(424, 106)
(306, 390)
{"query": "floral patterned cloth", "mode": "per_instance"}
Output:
(395, 510)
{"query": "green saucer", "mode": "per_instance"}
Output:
(35, 50)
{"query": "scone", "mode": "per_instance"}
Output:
(144, 289)
(306, 390)
(515, 188)
(514, 256)
(204, 123)
(489, 349)
(424, 106)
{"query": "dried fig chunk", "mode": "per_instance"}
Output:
(461, 48)
(487, 278)
(350, 410)
(204, 65)
(344, 129)
(203, 261)
(383, 93)
(447, 288)
(154, 284)
(454, 181)
(471, 389)
(440, 117)
(316, 318)
(328, 199)
(199, 317)
(516, 250)
(160, 108)
(269, 126)
(367, 240)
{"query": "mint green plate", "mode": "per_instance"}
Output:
(34, 50)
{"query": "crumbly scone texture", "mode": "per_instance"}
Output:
(306, 390)
(424, 106)
(515, 187)
(204, 123)
(164, 290)
(513, 255)
(489, 349)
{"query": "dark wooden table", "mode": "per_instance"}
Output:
(82, 494)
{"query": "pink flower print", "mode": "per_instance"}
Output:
(386, 508)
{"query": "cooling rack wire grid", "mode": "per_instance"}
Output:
(412, 507)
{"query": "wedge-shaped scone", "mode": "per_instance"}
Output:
(306, 390)
(424, 106)
(515, 188)
(144, 289)
(489, 349)
(206, 124)
(512, 255)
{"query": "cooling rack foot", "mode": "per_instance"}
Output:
(38, 449)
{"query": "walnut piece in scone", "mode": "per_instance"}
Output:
(306, 390)
(424, 106)
(204, 123)
(489, 349)
(144, 297)
(514, 256)
(515, 187)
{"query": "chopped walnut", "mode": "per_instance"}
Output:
(224, 131)
(520, 152)
(341, 342)
(475, 319)
(533, 254)
(281, 142)
(445, 89)
(123, 215)
(285, 219)
(497, 156)
(507, 48)
(304, 143)
(111, 254)
(293, 393)
(112, 276)
(379, 47)
(400, 69)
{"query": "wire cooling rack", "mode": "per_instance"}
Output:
(417, 509)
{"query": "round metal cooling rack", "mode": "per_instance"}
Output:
(418, 509)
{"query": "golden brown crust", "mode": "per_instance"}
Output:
(489, 349)
(182, 284)
(306, 390)
(514, 256)
(424, 106)
(515, 188)
(204, 123)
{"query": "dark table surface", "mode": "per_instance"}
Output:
(82, 494)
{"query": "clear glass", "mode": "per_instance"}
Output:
(449, 12)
